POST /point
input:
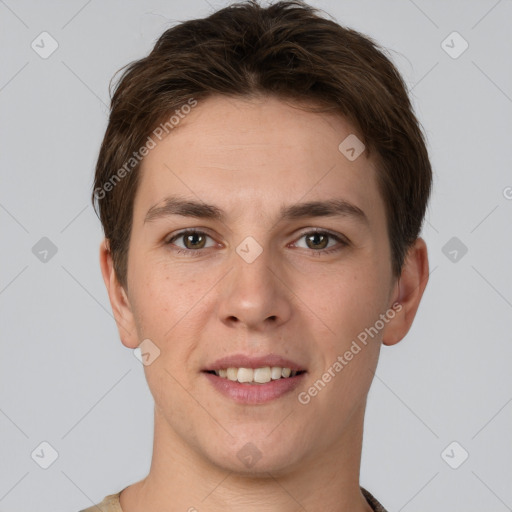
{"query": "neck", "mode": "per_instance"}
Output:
(180, 479)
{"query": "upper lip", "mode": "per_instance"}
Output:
(244, 361)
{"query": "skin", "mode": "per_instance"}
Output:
(249, 158)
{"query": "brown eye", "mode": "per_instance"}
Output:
(190, 242)
(322, 242)
(317, 240)
(194, 240)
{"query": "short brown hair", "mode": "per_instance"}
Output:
(285, 50)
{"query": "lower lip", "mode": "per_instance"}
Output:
(244, 393)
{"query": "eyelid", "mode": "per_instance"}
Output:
(341, 239)
(186, 231)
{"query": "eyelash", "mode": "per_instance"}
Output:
(197, 252)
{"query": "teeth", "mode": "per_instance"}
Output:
(262, 375)
(276, 372)
(257, 375)
(232, 373)
(245, 374)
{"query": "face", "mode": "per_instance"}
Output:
(261, 276)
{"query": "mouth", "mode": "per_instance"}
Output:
(261, 375)
(254, 380)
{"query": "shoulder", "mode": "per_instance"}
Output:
(372, 501)
(109, 504)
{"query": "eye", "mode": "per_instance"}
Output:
(318, 241)
(192, 239)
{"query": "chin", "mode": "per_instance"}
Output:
(255, 455)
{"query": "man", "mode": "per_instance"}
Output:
(261, 184)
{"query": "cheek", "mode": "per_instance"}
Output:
(153, 300)
(171, 310)
(356, 301)
(355, 298)
(162, 293)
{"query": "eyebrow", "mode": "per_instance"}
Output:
(174, 205)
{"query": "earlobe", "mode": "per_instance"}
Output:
(408, 292)
(119, 301)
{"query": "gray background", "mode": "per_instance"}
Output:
(66, 378)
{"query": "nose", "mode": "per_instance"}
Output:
(255, 295)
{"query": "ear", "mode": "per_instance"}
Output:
(408, 292)
(119, 301)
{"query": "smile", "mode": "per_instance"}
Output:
(252, 392)
(256, 375)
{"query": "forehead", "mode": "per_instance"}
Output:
(254, 126)
(259, 151)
